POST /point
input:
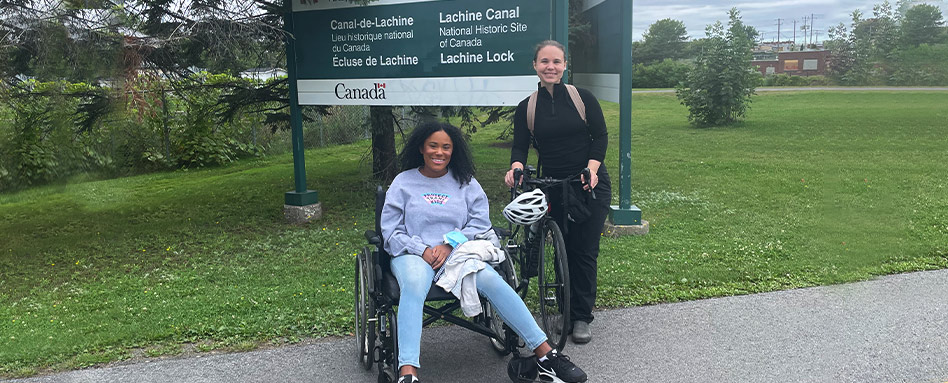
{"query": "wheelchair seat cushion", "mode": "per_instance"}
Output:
(435, 293)
(392, 291)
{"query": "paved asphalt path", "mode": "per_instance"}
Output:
(891, 329)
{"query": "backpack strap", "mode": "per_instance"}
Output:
(573, 95)
(577, 101)
(531, 111)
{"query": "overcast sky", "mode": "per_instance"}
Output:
(763, 15)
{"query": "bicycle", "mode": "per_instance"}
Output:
(538, 250)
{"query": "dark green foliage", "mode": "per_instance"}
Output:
(922, 24)
(891, 48)
(922, 65)
(50, 131)
(664, 74)
(783, 79)
(43, 142)
(717, 92)
(665, 39)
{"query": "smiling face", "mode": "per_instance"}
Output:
(550, 64)
(437, 154)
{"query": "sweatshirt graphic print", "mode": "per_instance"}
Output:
(419, 211)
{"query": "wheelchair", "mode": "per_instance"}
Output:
(377, 294)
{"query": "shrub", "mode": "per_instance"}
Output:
(40, 146)
(819, 80)
(50, 131)
(922, 65)
(665, 74)
(204, 140)
(718, 90)
(783, 79)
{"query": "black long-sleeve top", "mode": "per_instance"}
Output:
(565, 143)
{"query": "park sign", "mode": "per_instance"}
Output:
(418, 52)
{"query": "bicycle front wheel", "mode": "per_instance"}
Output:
(553, 285)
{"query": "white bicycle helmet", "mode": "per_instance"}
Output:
(527, 208)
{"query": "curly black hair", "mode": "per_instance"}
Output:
(461, 164)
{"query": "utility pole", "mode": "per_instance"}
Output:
(811, 28)
(804, 28)
(794, 31)
(778, 34)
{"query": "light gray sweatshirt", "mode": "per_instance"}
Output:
(419, 210)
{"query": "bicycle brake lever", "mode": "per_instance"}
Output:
(586, 175)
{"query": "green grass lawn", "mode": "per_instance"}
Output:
(814, 188)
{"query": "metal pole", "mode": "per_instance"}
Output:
(625, 214)
(561, 29)
(301, 196)
(625, 111)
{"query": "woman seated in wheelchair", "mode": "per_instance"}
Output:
(434, 195)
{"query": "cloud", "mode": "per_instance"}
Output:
(697, 14)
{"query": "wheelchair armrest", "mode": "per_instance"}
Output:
(373, 238)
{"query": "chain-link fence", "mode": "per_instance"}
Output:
(342, 124)
(345, 124)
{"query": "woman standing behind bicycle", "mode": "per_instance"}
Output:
(566, 144)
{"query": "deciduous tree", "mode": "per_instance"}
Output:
(718, 91)
(665, 39)
(922, 24)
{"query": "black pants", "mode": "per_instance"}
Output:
(582, 245)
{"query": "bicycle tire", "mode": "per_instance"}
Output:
(553, 285)
(515, 250)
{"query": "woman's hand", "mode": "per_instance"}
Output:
(435, 256)
(591, 182)
(509, 178)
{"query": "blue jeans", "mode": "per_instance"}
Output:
(414, 279)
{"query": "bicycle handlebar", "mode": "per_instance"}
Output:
(547, 181)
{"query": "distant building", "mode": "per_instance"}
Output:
(262, 74)
(776, 46)
(799, 63)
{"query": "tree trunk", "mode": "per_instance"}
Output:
(384, 167)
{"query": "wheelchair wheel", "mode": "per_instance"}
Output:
(388, 353)
(493, 321)
(553, 285)
(364, 310)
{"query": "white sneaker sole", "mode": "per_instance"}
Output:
(544, 377)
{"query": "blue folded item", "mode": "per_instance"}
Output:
(454, 238)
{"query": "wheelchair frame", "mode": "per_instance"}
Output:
(376, 295)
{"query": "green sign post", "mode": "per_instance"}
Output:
(301, 196)
(605, 68)
(626, 213)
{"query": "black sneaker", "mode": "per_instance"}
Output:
(558, 368)
(408, 379)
